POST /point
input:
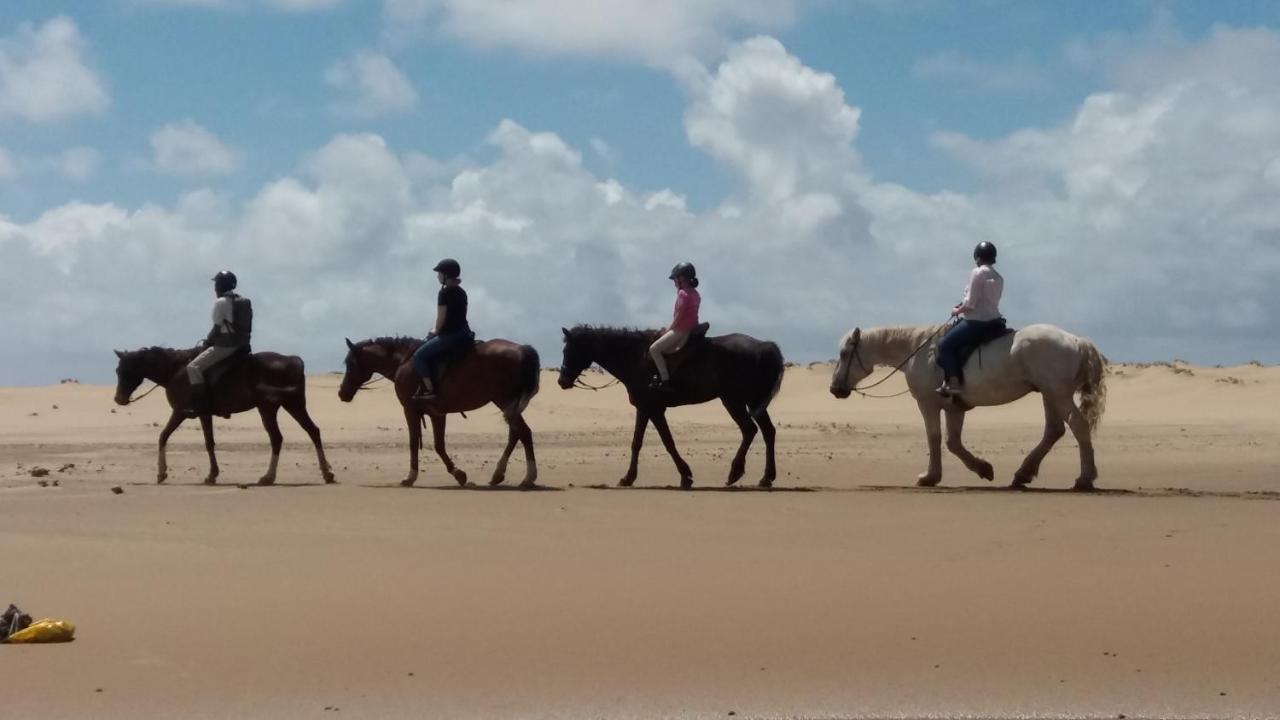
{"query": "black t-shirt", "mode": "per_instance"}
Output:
(454, 299)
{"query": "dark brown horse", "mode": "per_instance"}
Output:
(745, 373)
(266, 381)
(495, 371)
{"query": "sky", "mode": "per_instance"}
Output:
(826, 164)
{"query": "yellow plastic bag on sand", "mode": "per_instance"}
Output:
(45, 631)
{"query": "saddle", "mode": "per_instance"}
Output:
(696, 340)
(219, 371)
(998, 330)
(454, 358)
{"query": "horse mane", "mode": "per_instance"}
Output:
(890, 335)
(614, 335)
(405, 342)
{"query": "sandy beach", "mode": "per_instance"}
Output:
(845, 592)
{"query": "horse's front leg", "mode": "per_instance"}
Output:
(437, 433)
(413, 418)
(637, 442)
(955, 426)
(162, 468)
(933, 433)
(206, 424)
(664, 432)
(1053, 431)
(271, 421)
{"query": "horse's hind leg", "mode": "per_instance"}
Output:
(767, 430)
(955, 426)
(413, 418)
(664, 432)
(526, 439)
(271, 422)
(437, 432)
(206, 424)
(162, 467)
(298, 411)
(637, 442)
(1066, 408)
(513, 437)
(738, 411)
(1053, 431)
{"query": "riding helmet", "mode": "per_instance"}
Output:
(224, 281)
(684, 270)
(985, 252)
(449, 267)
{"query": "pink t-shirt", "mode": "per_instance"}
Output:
(686, 315)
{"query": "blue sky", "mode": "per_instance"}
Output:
(251, 76)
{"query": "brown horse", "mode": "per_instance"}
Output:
(266, 381)
(495, 371)
(743, 372)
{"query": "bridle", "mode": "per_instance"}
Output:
(857, 356)
(132, 400)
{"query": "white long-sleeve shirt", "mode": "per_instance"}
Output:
(982, 295)
(223, 314)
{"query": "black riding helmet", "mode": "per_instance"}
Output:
(985, 252)
(686, 271)
(224, 282)
(449, 267)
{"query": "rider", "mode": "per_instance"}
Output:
(684, 320)
(451, 332)
(980, 318)
(229, 335)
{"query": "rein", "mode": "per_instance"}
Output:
(898, 368)
(136, 399)
(578, 382)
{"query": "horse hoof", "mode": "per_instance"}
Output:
(497, 480)
(926, 481)
(460, 476)
(161, 478)
(408, 482)
(528, 484)
(211, 480)
(986, 471)
(1083, 485)
(626, 482)
(266, 480)
(734, 476)
(329, 478)
(686, 483)
(766, 482)
(1020, 480)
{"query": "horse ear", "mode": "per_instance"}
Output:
(119, 353)
(857, 334)
(566, 332)
(350, 345)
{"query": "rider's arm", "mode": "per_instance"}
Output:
(971, 295)
(675, 314)
(441, 313)
(222, 318)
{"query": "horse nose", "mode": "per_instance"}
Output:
(120, 400)
(840, 393)
(565, 384)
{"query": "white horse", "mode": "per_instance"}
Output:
(1037, 358)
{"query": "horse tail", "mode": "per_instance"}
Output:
(1092, 383)
(770, 368)
(530, 376)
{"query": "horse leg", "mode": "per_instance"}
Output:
(413, 418)
(271, 422)
(437, 432)
(1066, 408)
(298, 411)
(531, 465)
(933, 433)
(637, 441)
(206, 424)
(664, 432)
(955, 426)
(1053, 431)
(513, 437)
(738, 411)
(162, 469)
(768, 431)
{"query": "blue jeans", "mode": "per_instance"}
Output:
(960, 340)
(431, 352)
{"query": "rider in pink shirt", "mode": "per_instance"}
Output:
(684, 320)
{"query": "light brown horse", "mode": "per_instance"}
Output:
(495, 371)
(267, 381)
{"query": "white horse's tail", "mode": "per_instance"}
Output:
(1092, 383)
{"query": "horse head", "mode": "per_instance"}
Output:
(850, 368)
(578, 356)
(358, 371)
(133, 367)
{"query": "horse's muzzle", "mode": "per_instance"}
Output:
(841, 393)
(121, 400)
(564, 383)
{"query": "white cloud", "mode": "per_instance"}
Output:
(78, 163)
(657, 31)
(44, 76)
(186, 148)
(1147, 220)
(8, 170)
(371, 85)
(964, 72)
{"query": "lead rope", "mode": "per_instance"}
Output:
(134, 400)
(580, 383)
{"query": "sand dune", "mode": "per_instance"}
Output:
(845, 593)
